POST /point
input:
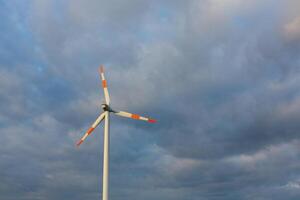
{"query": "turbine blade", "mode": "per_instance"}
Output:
(134, 116)
(90, 130)
(104, 84)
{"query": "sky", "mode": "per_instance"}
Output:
(221, 77)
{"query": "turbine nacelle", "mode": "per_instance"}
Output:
(106, 107)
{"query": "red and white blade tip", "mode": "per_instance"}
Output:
(135, 116)
(101, 69)
(85, 135)
(79, 143)
(152, 120)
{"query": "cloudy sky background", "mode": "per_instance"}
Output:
(222, 78)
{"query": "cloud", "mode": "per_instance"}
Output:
(292, 29)
(221, 78)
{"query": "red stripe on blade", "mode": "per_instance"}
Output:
(104, 85)
(79, 142)
(135, 116)
(151, 120)
(101, 69)
(90, 130)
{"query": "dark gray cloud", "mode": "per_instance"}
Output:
(222, 79)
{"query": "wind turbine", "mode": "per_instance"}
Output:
(105, 115)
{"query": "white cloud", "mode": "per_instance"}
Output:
(292, 29)
(269, 155)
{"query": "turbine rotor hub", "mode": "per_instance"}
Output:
(106, 107)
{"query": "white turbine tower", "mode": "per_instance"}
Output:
(105, 115)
